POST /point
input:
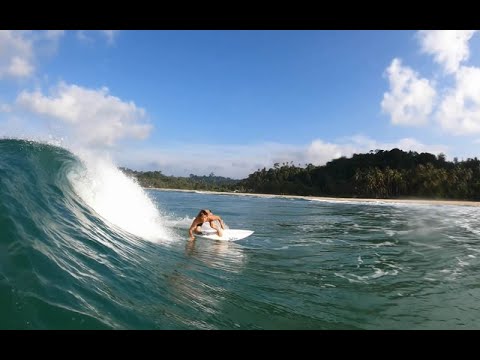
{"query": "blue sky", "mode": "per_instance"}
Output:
(231, 102)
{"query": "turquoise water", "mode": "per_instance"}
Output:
(83, 247)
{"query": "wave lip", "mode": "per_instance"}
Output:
(117, 198)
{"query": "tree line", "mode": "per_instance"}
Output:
(156, 179)
(377, 174)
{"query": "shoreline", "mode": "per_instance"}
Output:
(334, 199)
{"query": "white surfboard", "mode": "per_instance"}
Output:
(228, 234)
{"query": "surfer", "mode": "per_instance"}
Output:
(206, 215)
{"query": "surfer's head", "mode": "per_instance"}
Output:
(202, 213)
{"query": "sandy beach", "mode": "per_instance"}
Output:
(333, 199)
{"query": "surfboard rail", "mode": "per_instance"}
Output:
(228, 234)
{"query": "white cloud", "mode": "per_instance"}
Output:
(47, 42)
(20, 67)
(410, 99)
(319, 152)
(83, 36)
(238, 161)
(19, 50)
(459, 111)
(54, 34)
(5, 108)
(16, 54)
(88, 35)
(94, 117)
(410, 144)
(17, 127)
(201, 159)
(110, 35)
(448, 47)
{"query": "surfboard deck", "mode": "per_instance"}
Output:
(228, 234)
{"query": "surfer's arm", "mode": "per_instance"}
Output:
(190, 231)
(215, 217)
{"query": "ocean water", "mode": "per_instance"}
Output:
(84, 247)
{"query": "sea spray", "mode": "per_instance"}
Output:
(116, 197)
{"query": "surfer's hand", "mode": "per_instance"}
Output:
(192, 237)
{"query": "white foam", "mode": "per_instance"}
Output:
(174, 222)
(390, 233)
(364, 279)
(424, 245)
(462, 263)
(117, 198)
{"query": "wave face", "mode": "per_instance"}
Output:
(70, 228)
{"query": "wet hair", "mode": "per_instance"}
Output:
(203, 212)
